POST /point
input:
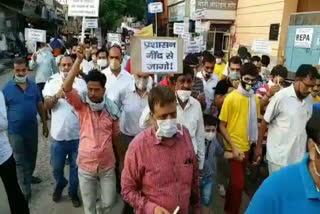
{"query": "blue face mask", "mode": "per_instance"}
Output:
(18, 79)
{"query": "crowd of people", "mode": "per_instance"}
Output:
(158, 144)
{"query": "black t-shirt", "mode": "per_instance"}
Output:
(223, 87)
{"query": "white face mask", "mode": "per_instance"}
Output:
(210, 136)
(102, 63)
(63, 74)
(141, 83)
(184, 95)
(18, 79)
(95, 106)
(218, 60)
(167, 128)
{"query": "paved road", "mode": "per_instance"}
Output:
(41, 202)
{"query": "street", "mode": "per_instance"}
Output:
(41, 201)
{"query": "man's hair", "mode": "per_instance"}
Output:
(219, 54)
(235, 60)
(255, 59)
(19, 61)
(94, 41)
(279, 70)
(160, 95)
(210, 120)
(242, 52)
(265, 60)
(101, 51)
(187, 70)
(208, 58)
(313, 128)
(249, 69)
(116, 46)
(96, 76)
(306, 70)
(64, 56)
(318, 76)
(191, 59)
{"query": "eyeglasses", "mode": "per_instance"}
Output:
(249, 80)
(307, 85)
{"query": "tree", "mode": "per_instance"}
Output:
(112, 12)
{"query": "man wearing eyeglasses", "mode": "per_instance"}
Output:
(286, 117)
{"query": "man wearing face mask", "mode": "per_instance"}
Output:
(220, 64)
(23, 102)
(161, 170)
(65, 131)
(101, 62)
(131, 102)
(117, 78)
(99, 134)
(286, 116)
(44, 64)
(209, 79)
(230, 83)
(294, 189)
(239, 127)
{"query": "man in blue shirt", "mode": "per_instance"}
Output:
(23, 102)
(294, 189)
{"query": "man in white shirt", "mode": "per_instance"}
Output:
(189, 112)
(65, 131)
(286, 117)
(210, 80)
(8, 173)
(117, 79)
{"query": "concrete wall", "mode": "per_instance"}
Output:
(253, 22)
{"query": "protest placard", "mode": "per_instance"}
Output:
(35, 35)
(91, 23)
(193, 47)
(114, 37)
(178, 28)
(156, 55)
(83, 8)
(155, 7)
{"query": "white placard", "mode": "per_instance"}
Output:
(114, 37)
(193, 47)
(261, 46)
(159, 56)
(178, 28)
(83, 8)
(35, 35)
(155, 7)
(91, 23)
(303, 37)
(202, 26)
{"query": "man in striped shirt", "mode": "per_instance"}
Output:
(160, 174)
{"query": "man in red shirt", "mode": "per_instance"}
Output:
(160, 174)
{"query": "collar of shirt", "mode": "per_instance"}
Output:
(158, 141)
(212, 77)
(13, 83)
(307, 180)
(189, 103)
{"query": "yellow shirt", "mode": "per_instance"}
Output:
(218, 70)
(235, 112)
(316, 99)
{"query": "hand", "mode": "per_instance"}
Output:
(160, 210)
(34, 57)
(257, 155)
(60, 94)
(45, 130)
(273, 90)
(80, 52)
(202, 99)
(237, 154)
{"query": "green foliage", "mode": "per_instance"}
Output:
(112, 11)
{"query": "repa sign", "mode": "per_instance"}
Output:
(303, 37)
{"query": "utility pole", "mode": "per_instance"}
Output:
(187, 15)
